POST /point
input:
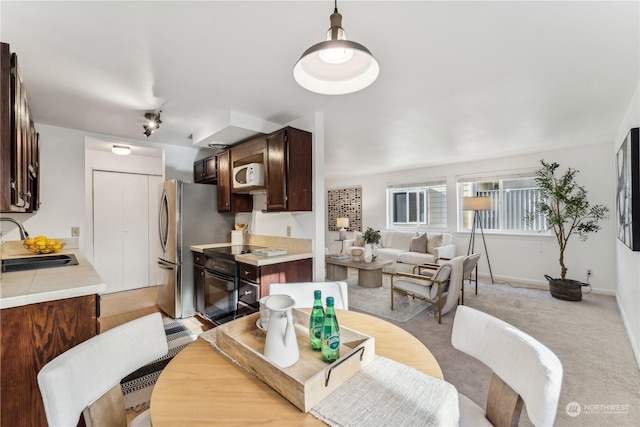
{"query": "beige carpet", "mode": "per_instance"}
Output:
(378, 301)
(600, 372)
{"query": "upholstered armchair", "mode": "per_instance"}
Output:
(469, 264)
(431, 283)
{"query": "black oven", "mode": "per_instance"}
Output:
(217, 295)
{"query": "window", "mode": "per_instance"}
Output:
(511, 199)
(417, 205)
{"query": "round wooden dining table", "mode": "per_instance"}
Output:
(202, 387)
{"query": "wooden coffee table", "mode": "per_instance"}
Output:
(369, 273)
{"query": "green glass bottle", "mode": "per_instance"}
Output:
(315, 321)
(330, 334)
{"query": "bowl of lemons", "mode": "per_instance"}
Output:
(43, 245)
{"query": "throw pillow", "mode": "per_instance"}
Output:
(358, 239)
(433, 242)
(419, 243)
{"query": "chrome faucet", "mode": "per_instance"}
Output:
(23, 233)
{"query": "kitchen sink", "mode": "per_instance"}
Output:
(37, 262)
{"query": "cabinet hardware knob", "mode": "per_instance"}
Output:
(247, 292)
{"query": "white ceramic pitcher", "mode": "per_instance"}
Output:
(281, 346)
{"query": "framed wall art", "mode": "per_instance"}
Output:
(345, 203)
(628, 191)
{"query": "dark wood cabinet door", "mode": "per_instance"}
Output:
(211, 169)
(198, 171)
(286, 272)
(31, 336)
(299, 172)
(224, 182)
(20, 163)
(276, 178)
(289, 170)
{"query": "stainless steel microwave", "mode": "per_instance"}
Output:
(249, 175)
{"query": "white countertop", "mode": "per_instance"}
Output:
(258, 260)
(20, 288)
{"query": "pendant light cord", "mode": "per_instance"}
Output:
(335, 6)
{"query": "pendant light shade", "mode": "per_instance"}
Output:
(336, 66)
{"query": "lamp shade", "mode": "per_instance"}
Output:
(476, 204)
(336, 66)
(342, 222)
(315, 74)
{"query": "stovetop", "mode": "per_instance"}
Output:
(229, 252)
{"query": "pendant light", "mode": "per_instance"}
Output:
(336, 66)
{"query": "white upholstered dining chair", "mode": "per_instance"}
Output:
(302, 292)
(86, 378)
(524, 371)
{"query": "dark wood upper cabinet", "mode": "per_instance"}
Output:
(289, 170)
(287, 159)
(205, 171)
(19, 145)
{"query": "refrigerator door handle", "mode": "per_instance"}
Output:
(165, 265)
(163, 221)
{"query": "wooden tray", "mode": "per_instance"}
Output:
(310, 379)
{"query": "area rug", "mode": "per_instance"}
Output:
(377, 301)
(137, 386)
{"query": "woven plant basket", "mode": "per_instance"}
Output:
(568, 290)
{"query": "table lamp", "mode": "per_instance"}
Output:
(341, 223)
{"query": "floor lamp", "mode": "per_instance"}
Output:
(476, 204)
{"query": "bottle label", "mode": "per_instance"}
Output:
(317, 331)
(333, 341)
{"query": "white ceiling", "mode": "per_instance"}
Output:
(458, 80)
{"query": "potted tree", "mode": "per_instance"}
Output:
(371, 237)
(567, 212)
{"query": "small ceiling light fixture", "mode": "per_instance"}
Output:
(153, 123)
(217, 146)
(336, 66)
(121, 150)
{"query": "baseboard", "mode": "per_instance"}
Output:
(635, 347)
(538, 284)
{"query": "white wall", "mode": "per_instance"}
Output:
(513, 258)
(628, 261)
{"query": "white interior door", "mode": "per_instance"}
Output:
(135, 231)
(123, 214)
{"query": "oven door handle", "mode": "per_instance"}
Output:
(221, 276)
(232, 283)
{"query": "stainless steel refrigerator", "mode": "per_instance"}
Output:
(188, 215)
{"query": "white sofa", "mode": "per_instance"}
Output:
(408, 248)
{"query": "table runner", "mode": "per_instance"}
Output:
(384, 393)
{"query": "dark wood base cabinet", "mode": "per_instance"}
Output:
(263, 276)
(31, 336)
